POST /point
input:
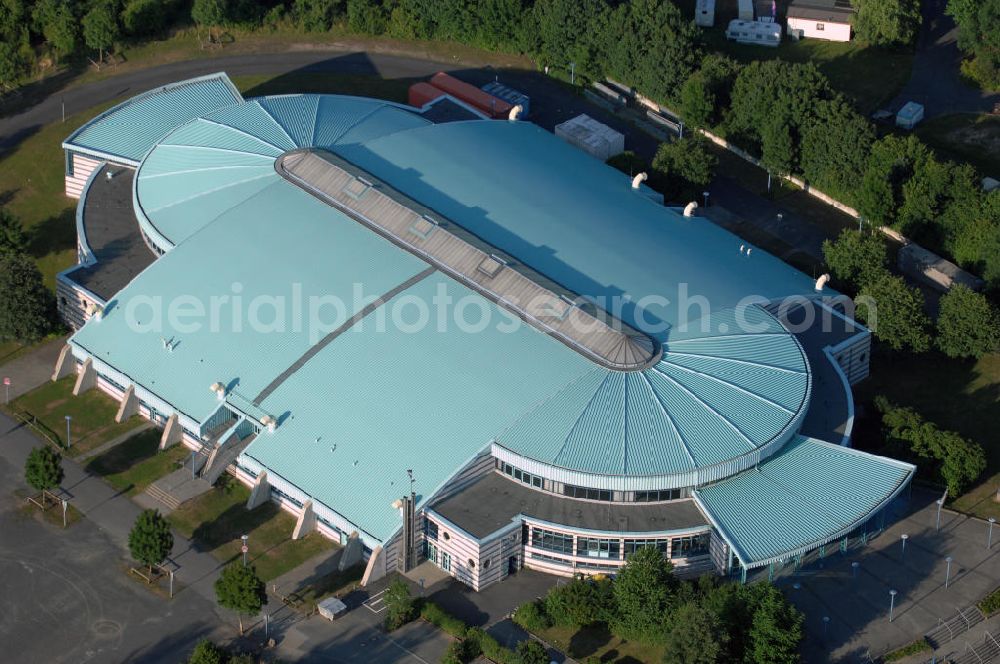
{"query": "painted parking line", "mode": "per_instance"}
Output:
(375, 603)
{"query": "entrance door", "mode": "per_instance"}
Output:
(512, 565)
(432, 552)
(446, 561)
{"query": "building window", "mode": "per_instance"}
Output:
(585, 493)
(446, 536)
(633, 545)
(657, 496)
(486, 563)
(471, 563)
(446, 561)
(521, 476)
(689, 546)
(430, 529)
(552, 541)
(69, 164)
(820, 27)
(598, 548)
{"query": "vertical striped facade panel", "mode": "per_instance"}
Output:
(463, 550)
(78, 170)
(73, 302)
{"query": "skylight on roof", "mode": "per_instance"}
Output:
(423, 227)
(357, 187)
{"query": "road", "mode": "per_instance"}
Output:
(935, 81)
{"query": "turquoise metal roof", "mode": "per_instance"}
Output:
(373, 404)
(574, 219)
(208, 165)
(127, 131)
(249, 254)
(730, 385)
(811, 493)
(712, 397)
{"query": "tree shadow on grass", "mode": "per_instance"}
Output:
(52, 235)
(121, 457)
(588, 640)
(231, 524)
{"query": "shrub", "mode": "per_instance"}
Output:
(436, 616)
(531, 652)
(400, 608)
(968, 324)
(43, 469)
(532, 616)
(991, 603)
(207, 652)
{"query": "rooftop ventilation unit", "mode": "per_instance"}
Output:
(689, 211)
(357, 187)
(639, 179)
(823, 280)
(491, 265)
(423, 227)
(269, 422)
(219, 389)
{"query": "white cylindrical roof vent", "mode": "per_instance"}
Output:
(515, 113)
(690, 208)
(219, 389)
(639, 179)
(823, 280)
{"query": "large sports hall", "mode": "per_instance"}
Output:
(433, 336)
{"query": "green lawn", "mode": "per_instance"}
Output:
(217, 519)
(93, 414)
(587, 642)
(133, 465)
(966, 137)
(869, 76)
(962, 396)
(32, 187)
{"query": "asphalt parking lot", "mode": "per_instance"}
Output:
(65, 595)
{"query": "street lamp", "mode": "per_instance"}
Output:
(705, 194)
(902, 554)
(69, 441)
(989, 538)
(947, 574)
(854, 568)
(244, 549)
(572, 73)
(826, 623)
(892, 603)
(940, 504)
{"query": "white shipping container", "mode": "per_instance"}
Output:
(591, 136)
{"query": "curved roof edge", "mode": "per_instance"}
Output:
(813, 493)
(131, 147)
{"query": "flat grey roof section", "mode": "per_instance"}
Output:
(113, 235)
(424, 233)
(493, 501)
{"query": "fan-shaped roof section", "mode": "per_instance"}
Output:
(213, 163)
(714, 397)
(127, 131)
(811, 493)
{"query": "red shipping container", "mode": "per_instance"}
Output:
(422, 93)
(470, 94)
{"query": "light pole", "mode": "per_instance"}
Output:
(245, 549)
(69, 440)
(193, 475)
(705, 194)
(940, 504)
(947, 574)
(902, 554)
(892, 603)
(854, 568)
(6, 387)
(989, 538)
(826, 623)
(572, 73)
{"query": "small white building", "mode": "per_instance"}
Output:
(820, 19)
(596, 139)
(754, 32)
(704, 13)
(910, 115)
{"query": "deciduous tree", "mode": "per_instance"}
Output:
(150, 540)
(25, 304)
(887, 22)
(895, 312)
(856, 258)
(695, 636)
(239, 589)
(776, 630)
(399, 606)
(100, 28)
(644, 592)
(43, 469)
(968, 324)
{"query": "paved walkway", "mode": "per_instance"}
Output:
(858, 604)
(101, 449)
